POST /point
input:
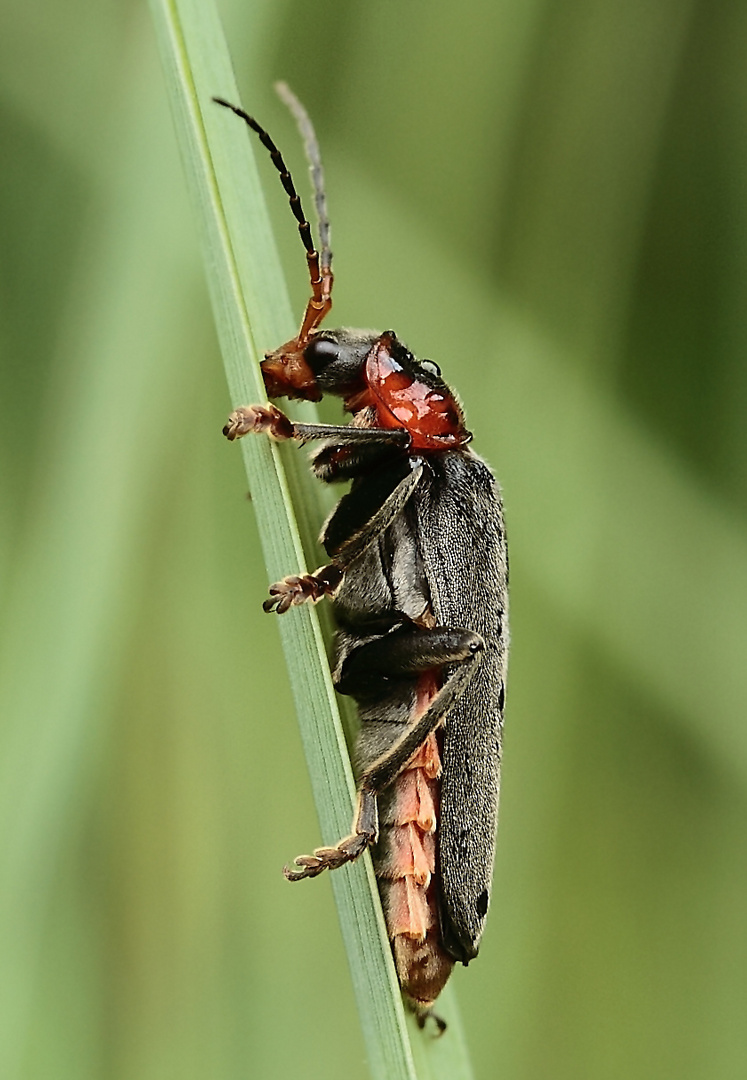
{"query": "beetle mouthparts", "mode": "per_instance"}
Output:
(287, 374)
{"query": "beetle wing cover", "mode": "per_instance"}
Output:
(463, 548)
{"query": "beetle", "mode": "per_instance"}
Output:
(418, 577)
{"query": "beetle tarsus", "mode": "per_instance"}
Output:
(297, 589)
(257, 419)
(329, 858)
(365, 831)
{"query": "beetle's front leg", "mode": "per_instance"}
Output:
(261, 419)
(256, 419)
(268, 419)
(298, 588)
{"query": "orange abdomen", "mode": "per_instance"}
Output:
(405, 864)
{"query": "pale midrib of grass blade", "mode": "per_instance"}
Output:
(244, 277)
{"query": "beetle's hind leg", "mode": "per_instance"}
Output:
(403, 653)
(365, 832)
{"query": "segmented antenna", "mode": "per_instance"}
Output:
(320, 272)
(314, 158)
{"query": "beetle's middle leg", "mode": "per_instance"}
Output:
(403, 653)
(298, 588)
(346, 535)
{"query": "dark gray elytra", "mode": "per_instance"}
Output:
(418, 576)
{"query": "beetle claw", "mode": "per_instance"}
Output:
(309, 865)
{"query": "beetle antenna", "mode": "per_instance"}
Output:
(314, 158)
(320, 273)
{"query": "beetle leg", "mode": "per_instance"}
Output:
(259, 419)
(256, 419)
(354, 525)
(406, 654)
(345, 435)
(365, 832)
(297, 589)
(443, 646)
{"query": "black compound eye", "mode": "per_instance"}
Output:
(320, 352)
(432, 367)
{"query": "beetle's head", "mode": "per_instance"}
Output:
(332, 362)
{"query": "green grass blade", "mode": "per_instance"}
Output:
(253, 314)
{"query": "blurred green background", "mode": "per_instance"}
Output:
(548, 199)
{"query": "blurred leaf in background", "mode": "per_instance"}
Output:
(546, 199)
